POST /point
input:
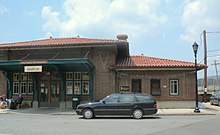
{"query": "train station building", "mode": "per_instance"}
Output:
(57, 72)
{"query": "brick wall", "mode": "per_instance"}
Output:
(186, 83)
(3, 82)
(101, 57)
(3, 85)
(104, 80)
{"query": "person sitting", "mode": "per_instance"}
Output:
(3, 103)
(18, 101)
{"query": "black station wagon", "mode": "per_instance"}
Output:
(130, 104)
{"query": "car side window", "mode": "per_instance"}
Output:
(126, 99)
(142, 98)
(111, 99)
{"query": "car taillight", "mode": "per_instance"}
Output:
(155, 106)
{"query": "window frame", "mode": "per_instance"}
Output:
(77, 76)
(69, 75)
(86, 88)
(16, 87)
(85, 76)
(23, 87)
(30, 87)
(21, 83)
(79, 81)
(77, 87)
(172, 83)
(159, 89)
(69, 87)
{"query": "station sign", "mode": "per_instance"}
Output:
(29, 69)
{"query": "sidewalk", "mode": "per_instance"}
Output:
(206, 109)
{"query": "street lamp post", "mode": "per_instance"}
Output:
(195, 48)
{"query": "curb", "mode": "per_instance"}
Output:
(161, 112)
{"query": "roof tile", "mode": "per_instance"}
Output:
(60, 41)
(151, 62)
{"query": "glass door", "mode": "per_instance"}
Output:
(55, 94)
(43, 95)
(49, 90)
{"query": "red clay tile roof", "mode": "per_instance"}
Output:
(151, 62)
(60, 41)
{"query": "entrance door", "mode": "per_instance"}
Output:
(49, 95)
(55, 94)
(49, 89)
(43, 94)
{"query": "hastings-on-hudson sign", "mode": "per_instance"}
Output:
(28, 69)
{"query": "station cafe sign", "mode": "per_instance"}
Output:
(29, 69)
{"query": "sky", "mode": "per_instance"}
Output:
(156, 28)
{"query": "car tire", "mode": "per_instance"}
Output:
(218, 103)
(88, 113)
(137, 113)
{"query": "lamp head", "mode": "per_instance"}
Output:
(195, 47)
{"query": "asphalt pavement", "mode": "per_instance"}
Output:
(205, 109)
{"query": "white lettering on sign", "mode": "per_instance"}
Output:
(32, 69)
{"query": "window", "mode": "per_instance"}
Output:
(16, 77)
(155, 87)
(142, 98)
(69, 75)
(22, 83)
(23, 87)
(23, 76)
(77, 87)
(77, 76)
(16, 87)
(30, 87)
(85, 76)
(126, 98)
(77, 83)
(69, 87)
(30, 77)
(85, 87)
(111, 99)
(136, 85)
(174, 87)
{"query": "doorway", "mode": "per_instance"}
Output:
(49, 92)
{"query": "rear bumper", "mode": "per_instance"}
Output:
(150, 111)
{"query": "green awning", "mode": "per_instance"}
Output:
(76, 64)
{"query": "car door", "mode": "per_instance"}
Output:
(125, 104)
(217, 97)
(108, 106)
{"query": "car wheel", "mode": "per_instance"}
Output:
(137, 113)
(218, 103)
(88, 113)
